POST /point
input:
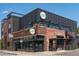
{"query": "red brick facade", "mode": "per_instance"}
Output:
(6, 40)
(49, 33)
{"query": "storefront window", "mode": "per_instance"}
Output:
(39, 37)
(66, 28)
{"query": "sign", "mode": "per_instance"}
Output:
(32, 31)
(9, 25)
(43, 15)
(10, 35)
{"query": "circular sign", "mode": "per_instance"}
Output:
(32, 31)
(10, 35)
(43, 15)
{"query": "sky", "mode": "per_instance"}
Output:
(70, 11)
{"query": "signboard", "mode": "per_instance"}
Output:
(10, 35)
(43, 15)
(32, 31)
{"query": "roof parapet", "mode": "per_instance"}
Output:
(15, 14)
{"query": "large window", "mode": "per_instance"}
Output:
(49, 24)
(28, 25)
(57, 26)
(9, 30)
(68, 29)
(40, 37)
(54, 26)
(43, 24)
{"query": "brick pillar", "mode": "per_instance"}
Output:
(46, 44)
(65, 43)
(12, 44)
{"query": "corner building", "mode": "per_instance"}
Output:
(38, 30)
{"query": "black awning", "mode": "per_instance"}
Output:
(61, 38)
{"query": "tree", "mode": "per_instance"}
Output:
(1, 45)
(78, 30)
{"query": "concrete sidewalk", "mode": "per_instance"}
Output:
(22, 53)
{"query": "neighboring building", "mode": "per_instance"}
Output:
(77, 40)
(38, 30)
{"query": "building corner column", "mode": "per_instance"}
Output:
(65, 45)
(46, 44)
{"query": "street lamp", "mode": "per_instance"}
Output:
(21, 41)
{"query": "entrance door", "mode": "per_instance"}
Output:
(52, 45)
(60, 44)
(38, 46)
(17, 46)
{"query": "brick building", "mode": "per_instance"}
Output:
(38, 30)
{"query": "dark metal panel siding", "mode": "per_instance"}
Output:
(35, 15)
(57, 19)
(16, 23)
(28, 18)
